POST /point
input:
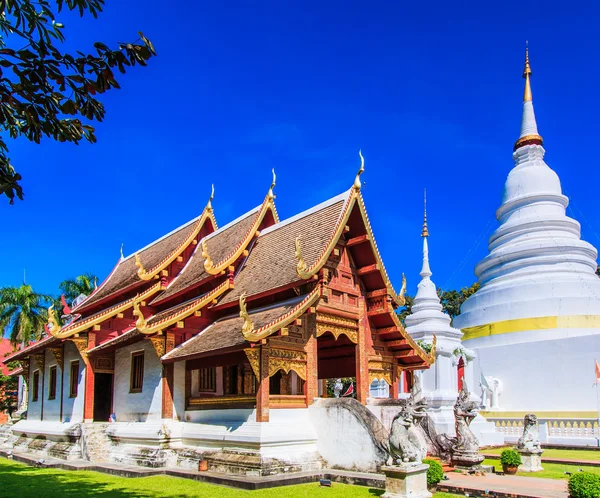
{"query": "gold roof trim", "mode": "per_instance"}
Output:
(248, 326)
(284, 320)
(306, 272)
(86, 323)
(216, 268)
(197, 304)
(527, 96)
(145, 274)
(427, 358)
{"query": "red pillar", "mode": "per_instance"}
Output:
(168, 379)
(88, 402)
(262, 393)
(362, 357)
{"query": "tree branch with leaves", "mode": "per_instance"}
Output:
(45, 92)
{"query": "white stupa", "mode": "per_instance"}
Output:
(535, 321)
(426, 321)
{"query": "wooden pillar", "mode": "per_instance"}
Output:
(88, 401)
(311, 386)
(262, 393)
(168, 381)
(362, 357)
(395, 387)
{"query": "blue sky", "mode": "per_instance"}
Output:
(430, 92)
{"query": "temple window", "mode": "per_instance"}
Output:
(36, 385)
(52, 383)
(207, 379)
(137, 372)
(74, 380)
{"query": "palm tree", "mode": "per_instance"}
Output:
(23, 313)
(83, 284)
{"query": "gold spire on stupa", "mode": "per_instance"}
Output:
(425, 231)
(527, 75)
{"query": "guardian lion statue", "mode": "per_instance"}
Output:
(530, 440)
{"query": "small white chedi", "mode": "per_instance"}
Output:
(535, 321)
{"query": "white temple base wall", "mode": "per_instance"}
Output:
(542, 370)
(486, 433)
(47, 438)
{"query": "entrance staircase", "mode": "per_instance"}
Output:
(95, 444)
(446, 467)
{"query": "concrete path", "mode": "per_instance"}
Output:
(563, 461)
(505, 486)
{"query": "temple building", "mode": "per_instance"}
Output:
(215, 343)
(535, 321)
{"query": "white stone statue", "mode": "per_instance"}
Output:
(338, 387)
(529, 445)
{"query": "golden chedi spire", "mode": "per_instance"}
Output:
(529, 132)
(425, 231)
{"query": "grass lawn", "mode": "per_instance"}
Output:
(552, 453)
(19, 480)
(551, 470)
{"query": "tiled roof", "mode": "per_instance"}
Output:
(5, 349)
(272, 262)
(218, 244)
(125, 336)
(125, 273)
(227, 332)
(32, 348)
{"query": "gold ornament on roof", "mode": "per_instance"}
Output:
(301, 266)
(53, 325)
(212, 196)
(357, 183)
(248, 326)
(140, 323)
(402, 291)
(425, 231)
(142, 273)
(270, 193)
(208, 263)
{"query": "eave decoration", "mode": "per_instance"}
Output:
(428, 358)
(337, 326)
(144, 327)
(380, 369)
(254, 335)
(306, 272)
(287, 360)
(268, 204)
(149, 274)
(82, 325)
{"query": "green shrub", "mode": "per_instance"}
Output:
(435, 472)
(510, 457)
(584, 485)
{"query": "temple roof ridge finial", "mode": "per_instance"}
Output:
(210, 199)
(270, 194)
(361, 170)
(122, 245)
(425, 231)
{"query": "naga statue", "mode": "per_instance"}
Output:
(465, 448)
(530, 440)
(407, 446)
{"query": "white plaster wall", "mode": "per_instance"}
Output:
(143, 406)
(34, 408)
(179, 390)
(73, 407)
(542, 375)
(51, 406)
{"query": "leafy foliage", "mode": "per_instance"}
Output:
(510, 457)
(47, 93)
(74, 287)
(584, 485)
(425, 346)
(8, 393)
(346, 381)
(452, 300)
(23, 313)
(435, 472)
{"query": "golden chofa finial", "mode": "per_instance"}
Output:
(140, 323)
(247, 326)
(270, 193)
(357, 183)
(53, 325)
(210, 199)
(527, 97)
(425, 231)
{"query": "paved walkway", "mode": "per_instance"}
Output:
(564, 461)
(507, 486)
